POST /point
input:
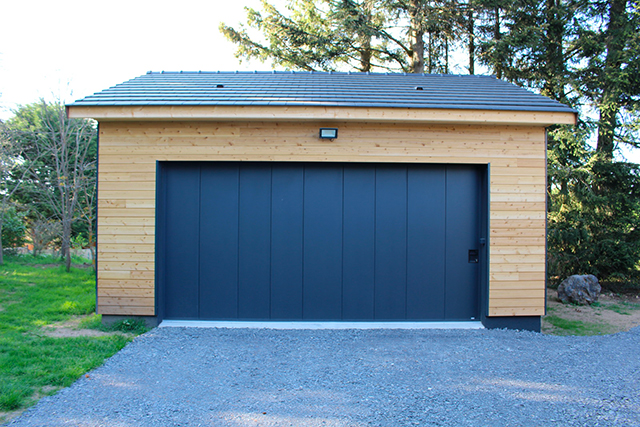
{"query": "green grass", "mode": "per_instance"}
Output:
(577, 327)
(622, 307)
(34, 293)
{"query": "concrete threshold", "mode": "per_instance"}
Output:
(319, 325)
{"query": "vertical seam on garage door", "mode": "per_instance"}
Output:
(342, 254)
(199, 231)
(304, 180)
(406, 241)
(270, 234)
(238, 249)
(446, 214)
(375, 233)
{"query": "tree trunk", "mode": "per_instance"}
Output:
(66, 242)
(446, 56)
(554, 67)
(610, 102)
(365, 54)
(365, 39)
(416, 35)
(472, 41)
(497, 36)
(430, 53)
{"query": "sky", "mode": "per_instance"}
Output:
(68, 49)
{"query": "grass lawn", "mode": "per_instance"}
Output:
(612, 313)
(35, 293)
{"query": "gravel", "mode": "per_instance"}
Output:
(259, 377)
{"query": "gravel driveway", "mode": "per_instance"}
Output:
(257, 377)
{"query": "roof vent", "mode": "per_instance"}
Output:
(219, 86)
(419, 88)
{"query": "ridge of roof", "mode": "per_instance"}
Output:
(354, 73)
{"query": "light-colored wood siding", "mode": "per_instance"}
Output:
(129, 151)
(307, 113)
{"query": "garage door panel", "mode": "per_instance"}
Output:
(318, 241)
(286, 242)
(358, 275)
(219, 241)
(322, 294)
(391, 243)
(426, 216)
(254, 234)
(462, 236)
(181, 210)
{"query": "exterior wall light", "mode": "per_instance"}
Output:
(328, 133)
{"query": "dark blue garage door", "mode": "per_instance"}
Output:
(325, 241)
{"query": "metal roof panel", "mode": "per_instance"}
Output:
(385, 90)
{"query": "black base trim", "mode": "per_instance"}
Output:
(525, 323)
(110, 319)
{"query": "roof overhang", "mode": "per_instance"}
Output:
(324, 113)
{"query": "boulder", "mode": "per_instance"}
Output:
(579, 289)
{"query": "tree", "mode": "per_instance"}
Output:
(594, 221)
(306, 38)
(13, 228)
(609, 44)
(42, 232)
(364, 35)
(12, 174)
(61, 156)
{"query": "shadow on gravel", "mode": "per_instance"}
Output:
(236, 377)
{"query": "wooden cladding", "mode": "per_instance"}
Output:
(129, 151)
(311, 113)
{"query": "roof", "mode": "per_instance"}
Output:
(423, 91)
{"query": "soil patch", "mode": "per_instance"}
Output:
(71, 329)
(612, 313)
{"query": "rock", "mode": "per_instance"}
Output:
(581, 290)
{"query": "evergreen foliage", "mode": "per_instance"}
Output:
(582, 53)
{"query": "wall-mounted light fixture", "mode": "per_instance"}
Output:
(328, 133)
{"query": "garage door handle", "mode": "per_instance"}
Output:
(473, 255)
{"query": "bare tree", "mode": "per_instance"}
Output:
(61, 154)
(42, 231)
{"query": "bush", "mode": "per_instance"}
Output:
(13, 229)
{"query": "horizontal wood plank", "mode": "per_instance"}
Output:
(515, 284)
(126, 221)
(517, 302)
(126, 248)
(124, 274)
(516, 250)
(126, 301)
(125, 310)
(137, 257)
(307, 113)
(127, 284)
(500, 295)
(140, 230)
(516, 311)
(105, 291)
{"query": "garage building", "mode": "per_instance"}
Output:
(280, 196)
